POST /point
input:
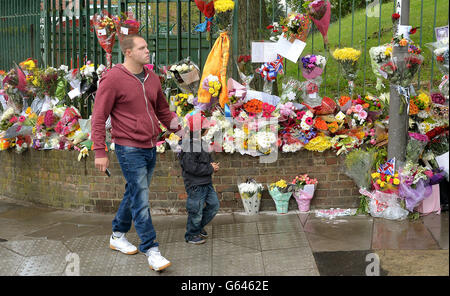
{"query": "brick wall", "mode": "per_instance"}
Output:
(57, 179)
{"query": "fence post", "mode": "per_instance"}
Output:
(398, 122)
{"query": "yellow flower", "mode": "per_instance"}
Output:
(388, 178)
(388, 51)
(378, 181)
(211, 90)
(382, 184)
(223, 5)
(375, 175)
(347, 53)
(319, 143)
(396, 181)
(28, 111)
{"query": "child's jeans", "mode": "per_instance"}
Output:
(199, 215)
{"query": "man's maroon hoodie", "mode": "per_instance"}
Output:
(135, 109)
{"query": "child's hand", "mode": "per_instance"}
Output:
(215, 166)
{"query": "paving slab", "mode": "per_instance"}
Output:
(438, 226)
(340, 234)
(412, 235)
(415, 262)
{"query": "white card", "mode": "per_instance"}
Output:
(313, 95)
(262, 96)
(291, 51)
(74, 93)
(404, 30)
(124, 30)
(101, 32)
(442, 161)
(263, 52)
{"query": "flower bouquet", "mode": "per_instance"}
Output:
(245, 69)
(291, 91)
(184, 104)
(379, 56)
(320, 13)
(250, 192)
(269, 72)
(358, 165)
(281, 192)
(106, 33)
(224, 14)
(304, 191)
(416, 145)
(296, 26)
(348, 59)
(414, 185)
(186, 75)
(312, 67)
(440, 52)
(126, 24)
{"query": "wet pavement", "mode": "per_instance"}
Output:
(45, 241)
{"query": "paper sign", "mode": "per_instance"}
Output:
(442, 161)
(74, 93)
(190, 77)
(124, 30)
(404, 30)
(263, 52)
(291, 51)
(441, 33)
(101, 32)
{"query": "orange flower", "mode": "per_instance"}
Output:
(2, 73)
(253, 106)
(413, 109)
(403, 42)
(366, 105)
(343, 100)
(320, 124)
(333, 127)
(40, 120)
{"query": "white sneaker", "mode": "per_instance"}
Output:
(121, 244)
(156, 261)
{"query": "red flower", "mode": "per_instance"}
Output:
(270, 27)
(413, 31)
(395, 16)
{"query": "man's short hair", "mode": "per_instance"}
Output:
(128, 42)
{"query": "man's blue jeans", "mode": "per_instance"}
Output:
(137, 165)
(199, 215)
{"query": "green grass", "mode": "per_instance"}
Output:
(334, 85)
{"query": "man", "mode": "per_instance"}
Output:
(132, 96)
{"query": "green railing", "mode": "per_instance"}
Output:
(59, 32)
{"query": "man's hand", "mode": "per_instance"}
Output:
(215, 166)
(102, 163)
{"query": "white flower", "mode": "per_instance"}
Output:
(265, 139)
(59, 111)
(64, 68)
(173, 68)
(8, 114)
(190, 99)
(184, 68)
(321, 61)
(100, 69)
(239, 134)
(291, 96)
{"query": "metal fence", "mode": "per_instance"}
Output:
(59, 32)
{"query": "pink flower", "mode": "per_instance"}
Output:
(362, 114)
(13, 119)
(358, 108)
(309, 121)
(22, 118)
(373, 141)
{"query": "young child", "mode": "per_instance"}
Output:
(198, 166)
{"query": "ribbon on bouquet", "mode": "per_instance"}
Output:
(269, 71)
(206, 25)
